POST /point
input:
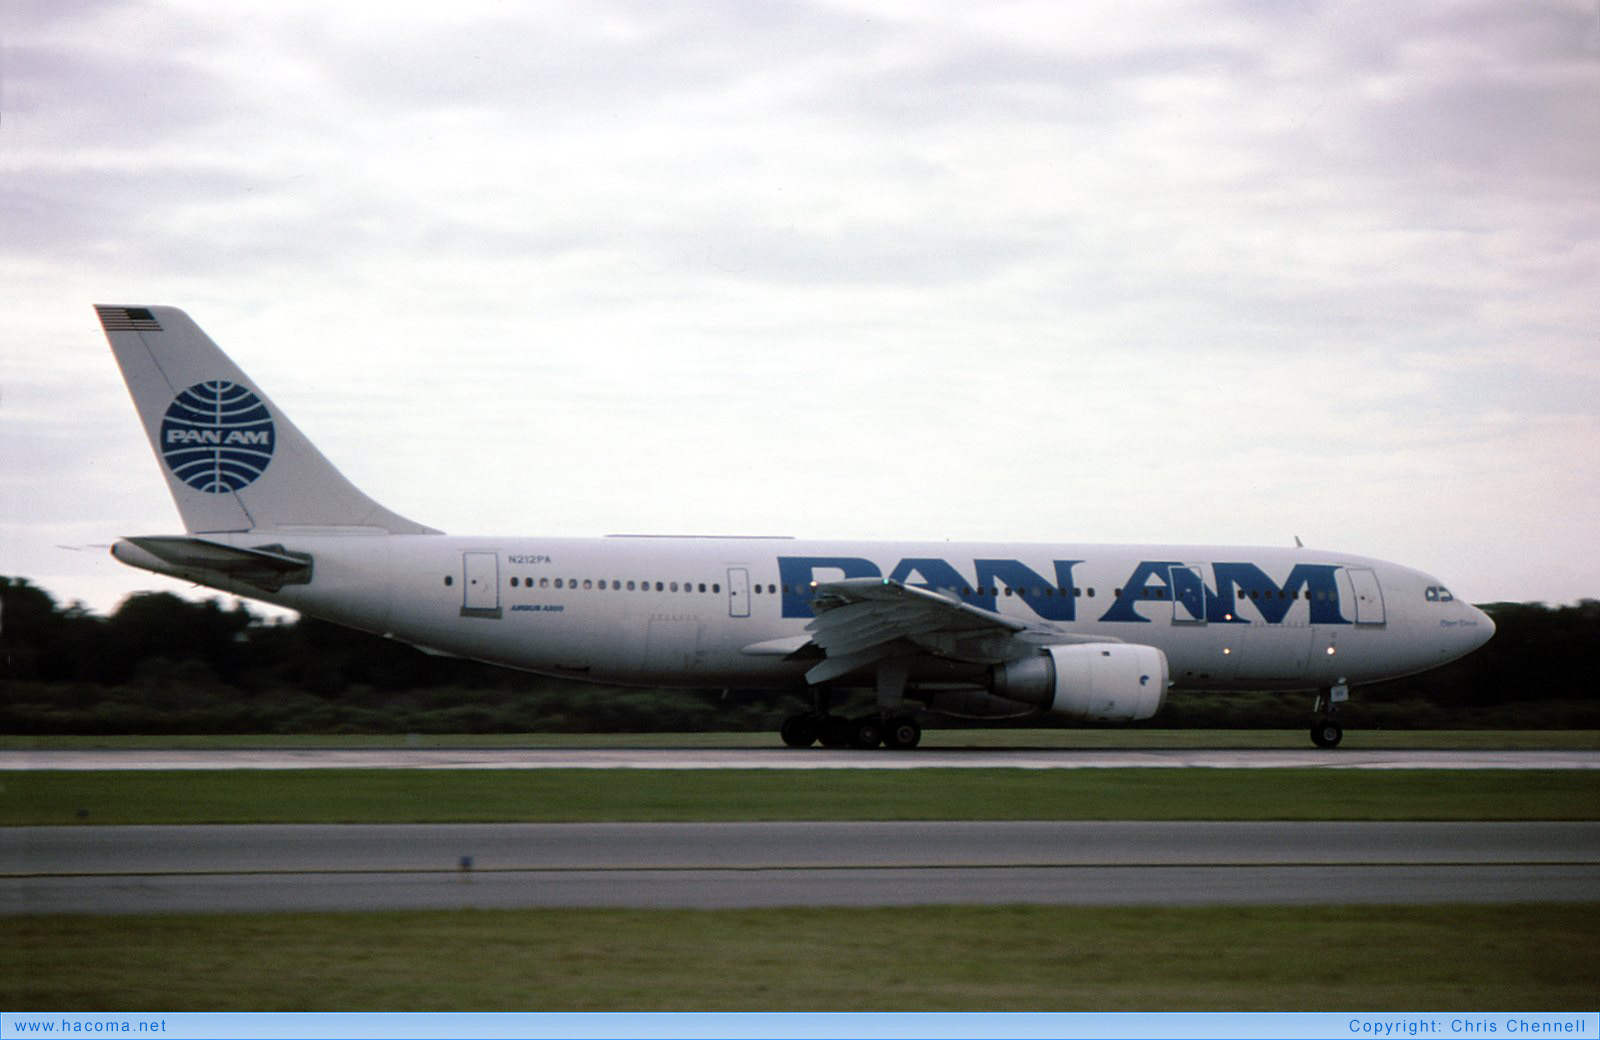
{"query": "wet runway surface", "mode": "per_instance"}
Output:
(709, 865)
(788, 758)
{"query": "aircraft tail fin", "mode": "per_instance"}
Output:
(233, 461)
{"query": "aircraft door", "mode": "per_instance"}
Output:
(1369, 597)
(1188, 594)
(738, 592)
(480, 584)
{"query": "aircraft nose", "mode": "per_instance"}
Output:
(1485, 629)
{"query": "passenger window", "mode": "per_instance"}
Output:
(558, 583)
(448, 581)
(660, 587)
(716, 588)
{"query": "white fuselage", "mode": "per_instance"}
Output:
(732, 612)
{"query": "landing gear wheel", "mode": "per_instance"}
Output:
(799, 731)
(835, 731)
(901, 733)
(1327, 734)
(866, 732)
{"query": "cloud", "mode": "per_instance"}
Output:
(1172, 272)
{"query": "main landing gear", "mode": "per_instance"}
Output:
(896, 732)
(1325, 729)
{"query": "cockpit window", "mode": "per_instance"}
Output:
(1439, 594)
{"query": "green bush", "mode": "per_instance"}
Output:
(163, 664)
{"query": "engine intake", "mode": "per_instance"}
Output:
(1101, 682)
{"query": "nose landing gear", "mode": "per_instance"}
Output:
(1326, 733)
(1325, 729)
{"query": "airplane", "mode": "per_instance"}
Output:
(984, 630)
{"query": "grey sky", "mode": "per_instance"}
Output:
(1227, 272)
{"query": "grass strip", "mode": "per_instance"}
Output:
(1504, 958)
(556, 795)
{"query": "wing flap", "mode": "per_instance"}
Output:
(861, 621)
(783, 647)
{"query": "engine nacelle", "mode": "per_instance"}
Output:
(1101, 682)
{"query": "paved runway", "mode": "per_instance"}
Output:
(788, 758)
(323, 867)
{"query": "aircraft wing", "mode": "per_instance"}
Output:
(861, 621)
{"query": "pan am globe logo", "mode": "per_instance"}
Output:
(217, 437)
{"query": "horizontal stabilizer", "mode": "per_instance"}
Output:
(267, 566)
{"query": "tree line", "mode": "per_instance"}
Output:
(160, 663)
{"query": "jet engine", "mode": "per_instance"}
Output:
(1100, 682)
